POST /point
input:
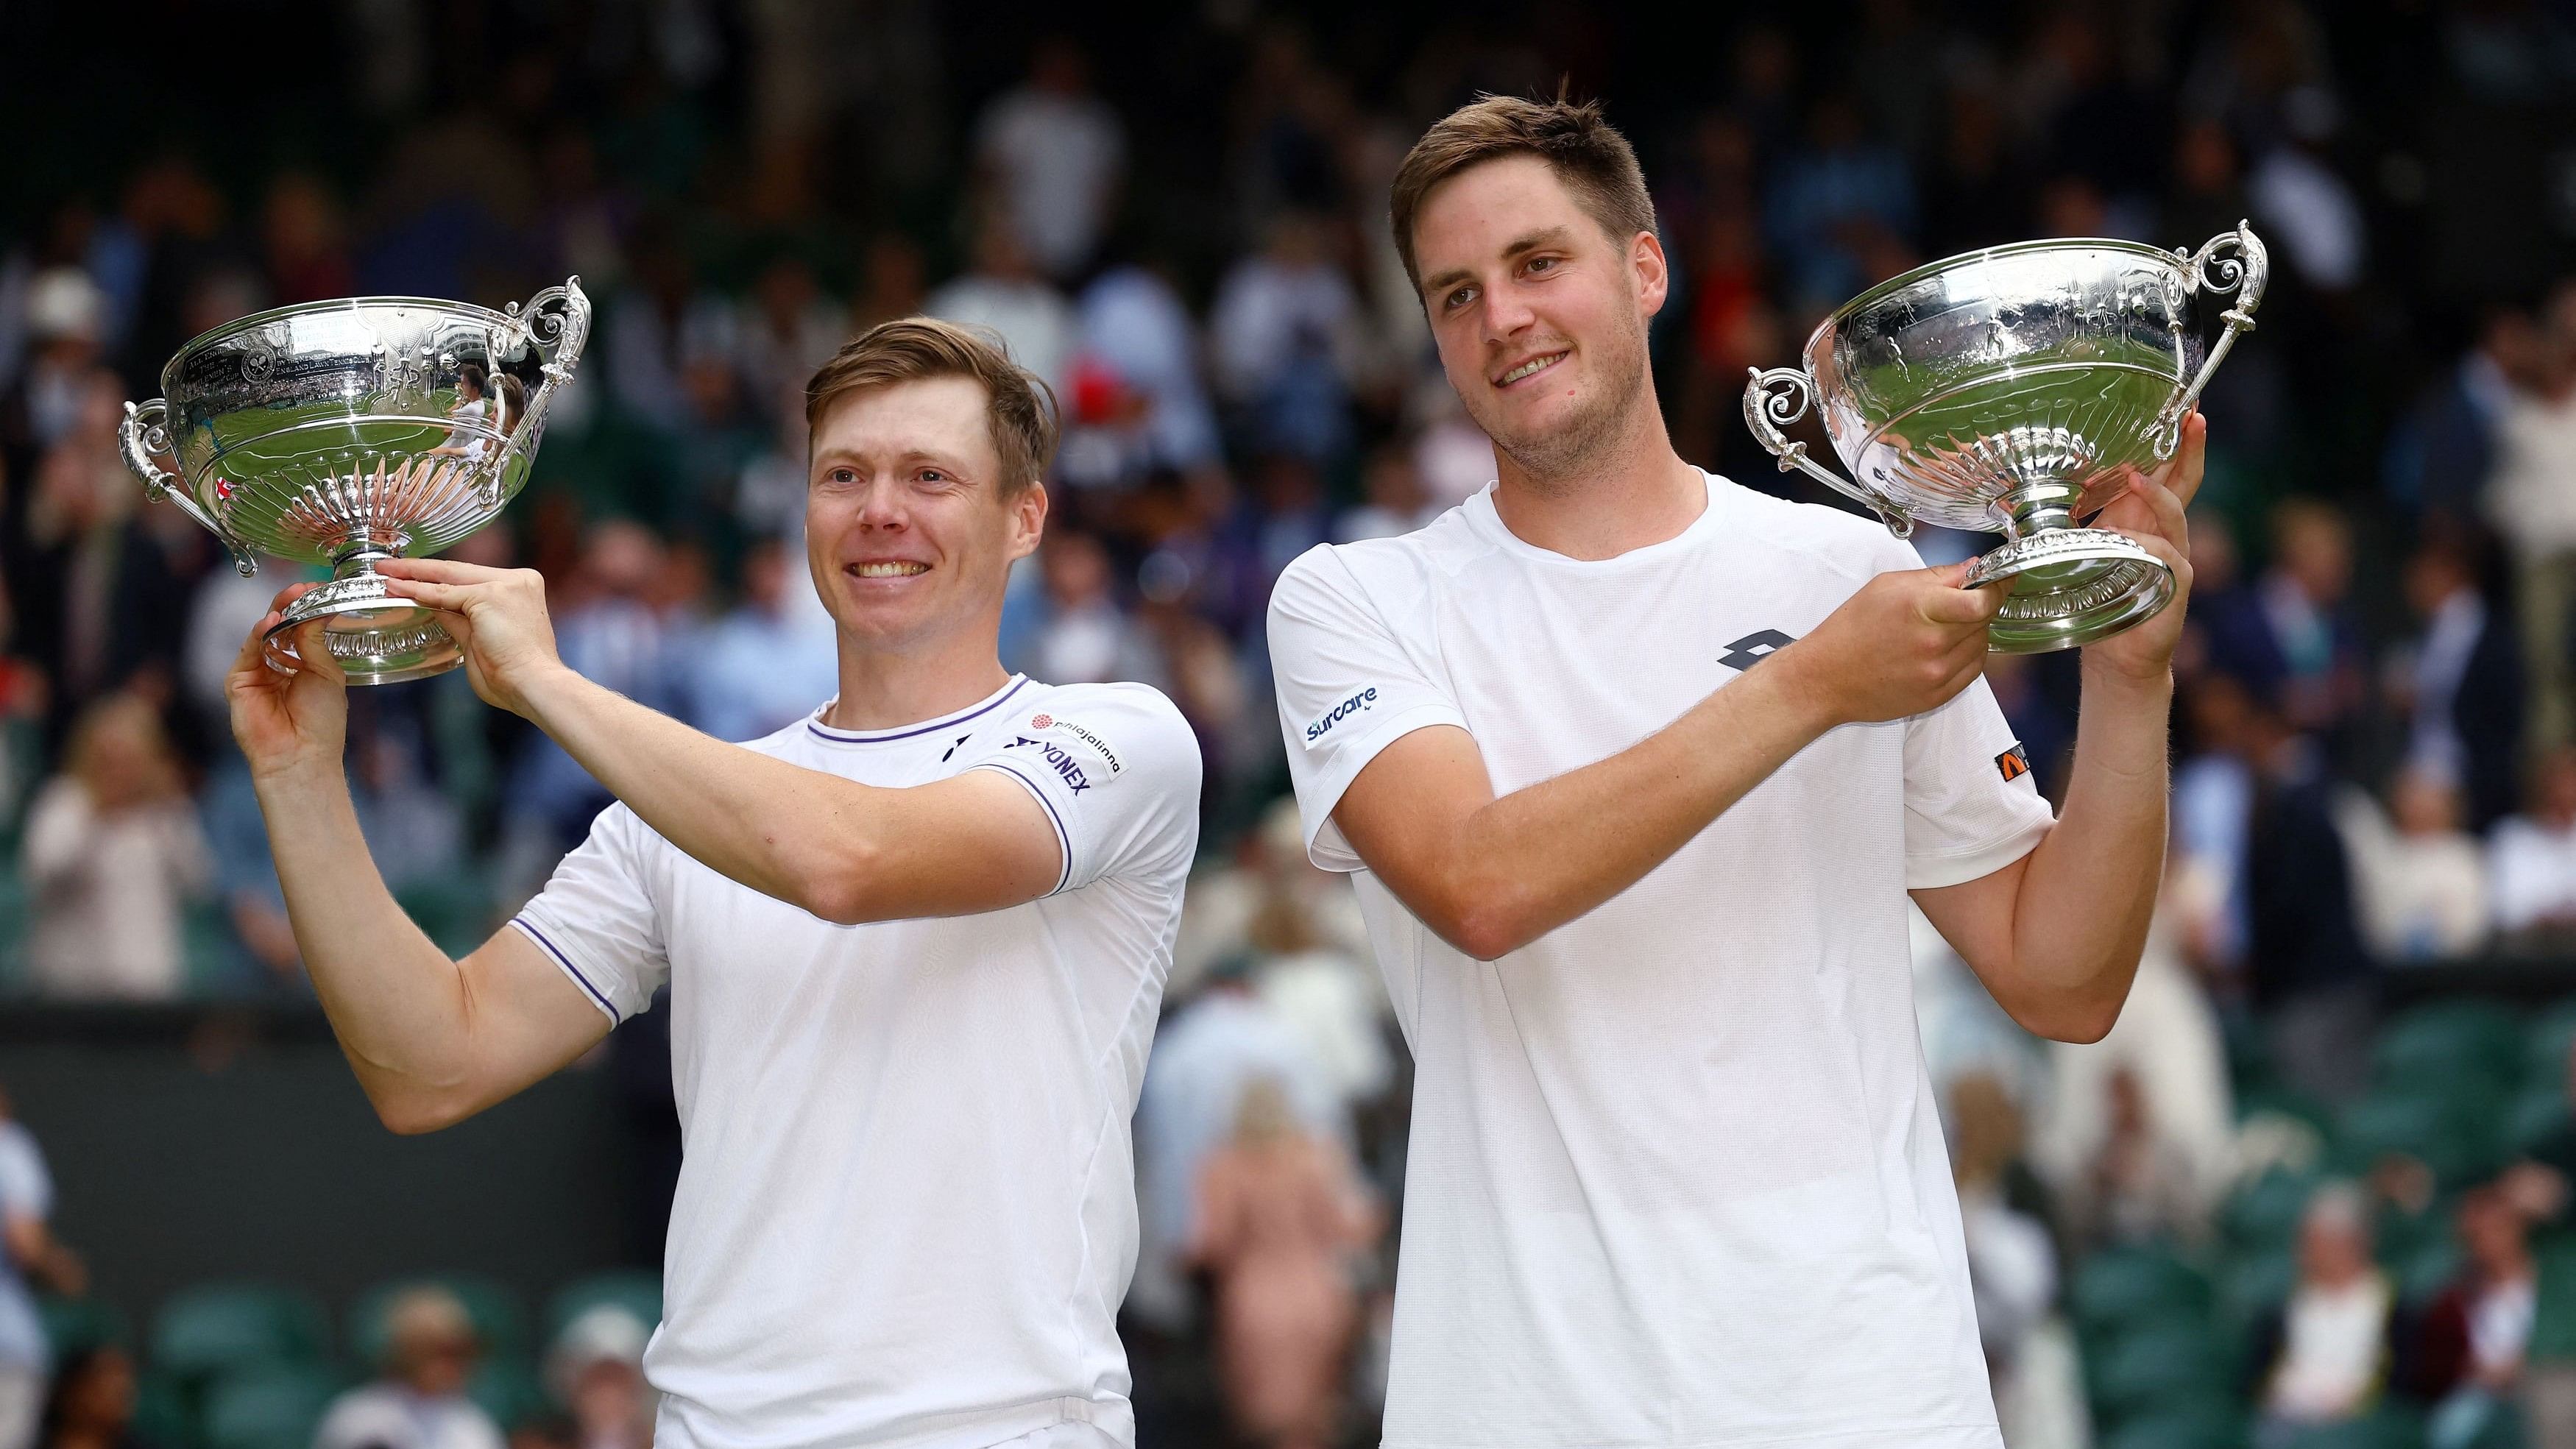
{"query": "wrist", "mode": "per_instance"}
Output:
(2143, 685)
(1785, 689)
(542, 689)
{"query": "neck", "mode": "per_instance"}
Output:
(1631, 493)
(886, 688)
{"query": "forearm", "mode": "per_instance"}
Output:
(1539, 857)
(396, 1001)
(2089, 889)
(781, 830)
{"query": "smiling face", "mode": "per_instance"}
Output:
(1539, 311)
(910, 525)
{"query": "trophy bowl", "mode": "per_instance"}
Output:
(2019, 390)
(345, 432)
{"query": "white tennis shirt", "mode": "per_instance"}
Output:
(1676, 1176)
(907, 1211)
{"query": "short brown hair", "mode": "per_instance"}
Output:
(1020, 407)
(1585, 151)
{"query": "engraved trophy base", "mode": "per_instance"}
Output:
(376, 636)
(2070, 586)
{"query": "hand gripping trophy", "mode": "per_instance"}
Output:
(349, 431)
(2019, 390)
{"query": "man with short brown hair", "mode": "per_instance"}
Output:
(915, 947)
(1634, 770)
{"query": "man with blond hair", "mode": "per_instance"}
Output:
(915, 945)
(1634, 770)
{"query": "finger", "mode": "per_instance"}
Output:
(2159, 512)
(2190, 460)
(290, 594)
(447, 597)
(2167, 554)
(437, 570)
(313, 651)
(254, 653)
(1963, 607)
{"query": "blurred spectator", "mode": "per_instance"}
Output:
(2531, 860)
(2419, 880)
(1135, 326)
(2300, 201)
(890, 283)
(2012, 1266)
(2531, 500)
(1394, 501)
(2441, 452)
(96, 603)
(65, 316)
(770, 662)
(1283, 333)
(1840, 208)
(92, 1404)
(2326, 1355)
(788, 331)
(595, 1369)
(1054, 152)
(2311, 976)
(2290, 635)
(112, 853)
(2469, 1347)
(29, 1253)
(1087, 637)
(418, 1399)
(305, 241)
(2459, 683)
(1207, 1050)
(2136, 1128)
(1280, 1217)
(1006, 294)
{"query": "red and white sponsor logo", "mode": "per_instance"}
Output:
(1041, 721)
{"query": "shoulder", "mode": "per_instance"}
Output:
(1126, 726)
(1835, 540)
(1381, 568)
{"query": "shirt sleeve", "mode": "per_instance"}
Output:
(1347, 685)
(26, 1189)
(598, 919)
(1115, 767)
(1972, 806)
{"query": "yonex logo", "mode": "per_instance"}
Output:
(1358, 703)
(1753, 648)
(1065, 765)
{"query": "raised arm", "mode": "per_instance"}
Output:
(432, 1040)
(846, 852)
(1491, 875)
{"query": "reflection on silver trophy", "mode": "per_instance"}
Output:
(350, 431)
(2020, 389)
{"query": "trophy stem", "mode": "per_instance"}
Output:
(377, 636)
(2034, 507)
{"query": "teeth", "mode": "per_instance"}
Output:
(1526, 368)
(889, 570)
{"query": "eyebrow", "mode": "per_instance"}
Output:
(941, 461)
(1519, 246)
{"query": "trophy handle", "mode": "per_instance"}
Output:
(1781, 396)
(145, 432)
(556, 322)
(2244, 274)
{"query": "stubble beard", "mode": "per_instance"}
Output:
(1565, 452)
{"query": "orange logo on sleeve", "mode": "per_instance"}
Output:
(2014, 763)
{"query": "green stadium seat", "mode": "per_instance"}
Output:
(2455, 1128)
(2553, 1321)
(161, 1412)
(2147, 1370)
(638, 1293)
(2213, 1425)
(509, 1390)
(2545, 1047)
(268, 1408)
(2537, 1113)
(499, 1319)
(457, 914)
(2442, 1043)
(229, 1326)
(77, 1325)
(2124, 1285)
(2254, 1283)
(2386, 1429)
(2264, 1213)
(2427, 1268)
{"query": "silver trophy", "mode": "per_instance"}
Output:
(2019, 390)
(351, 431)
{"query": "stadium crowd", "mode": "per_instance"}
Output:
(2265, 1200)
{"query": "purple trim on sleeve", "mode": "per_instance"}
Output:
(1063, 836)
(846, 737)
(570, 969)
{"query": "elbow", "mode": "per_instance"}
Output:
(414, 1112)
(833, 885)
(1486, 919)
(2078, 1022)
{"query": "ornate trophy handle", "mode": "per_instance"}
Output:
(146, 432)
(2244, 274)
(1782, 396)
(556, 322)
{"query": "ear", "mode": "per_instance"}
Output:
(1028, 519)
(1654, 278)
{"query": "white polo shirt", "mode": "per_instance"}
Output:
(1676, 1175)
(906, 1210)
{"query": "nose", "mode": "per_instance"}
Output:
(881, 507)
(1505, 313)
